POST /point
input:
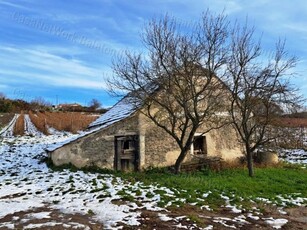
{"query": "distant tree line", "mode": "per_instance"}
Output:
(14, 106)
(40, 104)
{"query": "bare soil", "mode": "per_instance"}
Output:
(296, 216)
(60, 220)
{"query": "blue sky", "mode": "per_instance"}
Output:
(63, 49)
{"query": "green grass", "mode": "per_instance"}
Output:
(267, 182)
(284, 180)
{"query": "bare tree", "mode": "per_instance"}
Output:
(258, 88)
(94, 105)
(40, 103)
(175, 82)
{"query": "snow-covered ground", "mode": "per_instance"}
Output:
(30, 129)
(28, 186)
(294, 155)
(7, 131)
(27, 183)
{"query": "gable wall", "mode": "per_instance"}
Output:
(159, 148)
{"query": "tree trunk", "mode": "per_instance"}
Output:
(180, 159)
(250, 166)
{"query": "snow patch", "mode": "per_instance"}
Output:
(250, 215)
(10, 206)
(30, 129)
(39, 215)
(7, 225)
(7, 131)
(276, 223)
(164, 217)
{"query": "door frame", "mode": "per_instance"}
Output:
(119, 151)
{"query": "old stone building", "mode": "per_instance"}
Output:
(125, 139)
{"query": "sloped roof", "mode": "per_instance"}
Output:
(121, 110)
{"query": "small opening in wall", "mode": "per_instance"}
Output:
(200, 145)
(129, 145)
(126, 145)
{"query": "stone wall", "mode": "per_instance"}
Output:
(160, 149)
(96, 149)
(224, 142)
(156, 147)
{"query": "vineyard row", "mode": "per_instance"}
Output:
(61, 121)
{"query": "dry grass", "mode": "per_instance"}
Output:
(291, 122)
(61, 121)
(19, 127)
(5, 119)
(39, 121)
(69, 121)
(235, 164)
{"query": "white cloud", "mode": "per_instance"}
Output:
(14, 5)
(37, 66)
(115, 26)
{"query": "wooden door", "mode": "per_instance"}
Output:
(126, 153)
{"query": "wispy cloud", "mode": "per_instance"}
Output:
(36, 66)
(11, 4)
(71, 44)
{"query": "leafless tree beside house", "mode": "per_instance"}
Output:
(175, 81)
(260, 86)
